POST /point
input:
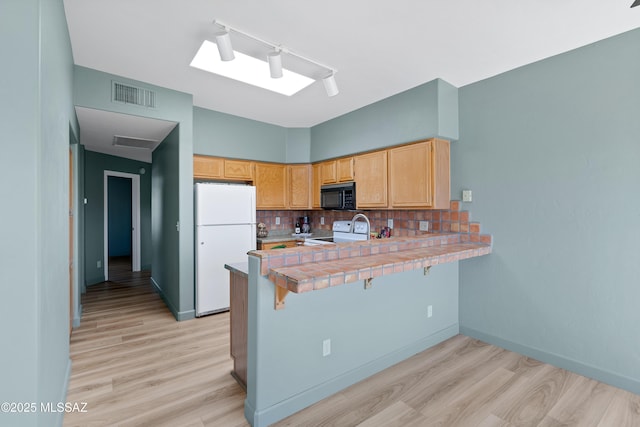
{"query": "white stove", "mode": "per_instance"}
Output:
(342, 233)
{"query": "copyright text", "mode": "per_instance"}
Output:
(42, 407)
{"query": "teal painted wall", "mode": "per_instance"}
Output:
(368, 332)
(165, 237)
(95, 165)
(425, 111)
(173, 275)
(298, 145)
(119, 216)
(78, 233)
(37, 112)
(551, 152)
(225, 135)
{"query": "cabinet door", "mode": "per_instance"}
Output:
(271, 186)
(315, 187)
(329, 172)
(419, 175)
(410, 184)
(238, 169)
(207, 167)
(441, 174)
(371, 180)
(344, 169)
(299, 186)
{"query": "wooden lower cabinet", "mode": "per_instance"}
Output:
(238, 312)
(270, 245)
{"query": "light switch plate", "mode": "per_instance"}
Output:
(424, 225)
(326, 348)
(466, 196)
(277, 220)
(390, 223)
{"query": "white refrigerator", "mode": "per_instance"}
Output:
(225, 221)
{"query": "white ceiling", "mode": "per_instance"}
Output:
(97, 129)
(379, 48)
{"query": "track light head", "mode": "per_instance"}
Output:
(223, 40)
(330, 85)
(275, 64)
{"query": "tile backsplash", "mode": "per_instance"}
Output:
(405, 222)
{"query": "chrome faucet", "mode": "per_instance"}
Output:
(353, 222)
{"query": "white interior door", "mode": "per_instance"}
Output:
(135, 220)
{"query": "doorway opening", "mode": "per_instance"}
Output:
(121, 223)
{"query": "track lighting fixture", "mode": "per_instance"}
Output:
(223, 40)
(275, 64)
(246, 67)
(330, 85)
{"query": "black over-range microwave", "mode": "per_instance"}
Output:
(338, 196)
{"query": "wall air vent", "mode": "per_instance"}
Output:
(132, 142)
(133, 95)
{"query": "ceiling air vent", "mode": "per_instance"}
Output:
(132, 142)
(133, 95)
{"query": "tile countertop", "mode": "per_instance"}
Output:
(309, 268)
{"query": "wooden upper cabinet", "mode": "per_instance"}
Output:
(344, 168)
(299, 186)
(219, 168)
(316, 183)
(412, 176)
(371, 180)
(206, 167)
(271, 186)
(339, 170)
(328, 172)
(419, 175)
(238, 169)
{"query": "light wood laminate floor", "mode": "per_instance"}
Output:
(134, 365)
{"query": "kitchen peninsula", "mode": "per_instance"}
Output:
(334, 332)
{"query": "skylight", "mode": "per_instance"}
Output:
(248, 70)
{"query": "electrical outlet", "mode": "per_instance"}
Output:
(429, 311)
(321, 220)
(390, 223)
(467, 196)
(424, 225)
(277, 220)
(99, 264)
(326, 347)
